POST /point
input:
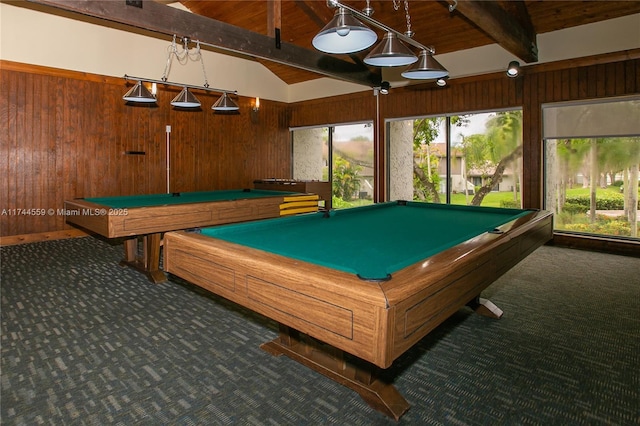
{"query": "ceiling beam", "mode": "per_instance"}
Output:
(317, 11)
(510, 29)
(162, 19)
(274, 17)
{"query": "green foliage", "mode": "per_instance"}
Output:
(604, 201)
(346, 181)
(604, 225)
(575, 213)
(499, 146)
(572, 208)
(339, 203)
(509, 204)
(425, 131)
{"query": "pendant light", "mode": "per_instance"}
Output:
(185, 99)
(390, 53)
(426, 68)
(225, 103)
(344, 34)
(139, 94)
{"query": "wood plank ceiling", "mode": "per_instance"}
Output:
(512, 24)
(250, 27)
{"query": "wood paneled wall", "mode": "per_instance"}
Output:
(66, 134)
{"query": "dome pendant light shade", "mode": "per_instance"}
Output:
(426, 68)
(185, 99)
(139, 94)
(390, 53)
(344, 34)
(225, 103)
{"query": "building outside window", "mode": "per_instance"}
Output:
(472, 159)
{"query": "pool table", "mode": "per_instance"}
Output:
(354, 289)
(150, 215)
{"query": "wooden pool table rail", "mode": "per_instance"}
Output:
(114, 223)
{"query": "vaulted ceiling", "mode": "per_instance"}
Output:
(511, 24)
(278, 33)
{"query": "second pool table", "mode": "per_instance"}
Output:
(149, 215)
(366, 283)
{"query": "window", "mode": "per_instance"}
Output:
(346, 150)
(473, 159)
(592, 155)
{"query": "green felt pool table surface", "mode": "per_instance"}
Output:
(372, 241)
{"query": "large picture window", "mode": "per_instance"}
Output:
(340, 154)
(592, 155)
(472, 159)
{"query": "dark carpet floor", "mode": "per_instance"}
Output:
(85, 341)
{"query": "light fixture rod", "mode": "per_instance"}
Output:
(169, 83)
(381, 26)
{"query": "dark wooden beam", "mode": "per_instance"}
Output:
(162, 19)
(510, 29)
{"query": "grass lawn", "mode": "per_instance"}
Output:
(492, 199)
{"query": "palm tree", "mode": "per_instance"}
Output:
(425, 131)
(502, 146)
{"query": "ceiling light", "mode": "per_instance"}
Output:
(139, 94)
(441, 82)
(384, 87)
(426, 68)
(225, 103)
(513, 69)
(185, 99)
(344, 34)
(390, 52)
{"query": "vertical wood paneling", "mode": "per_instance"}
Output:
(64, 135)
(564, 83)
(20, 192)
(38, 156)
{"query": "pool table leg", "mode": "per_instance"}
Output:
(331, 362)
(485, 307)
(149, 262)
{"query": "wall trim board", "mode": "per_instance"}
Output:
(41, 236)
